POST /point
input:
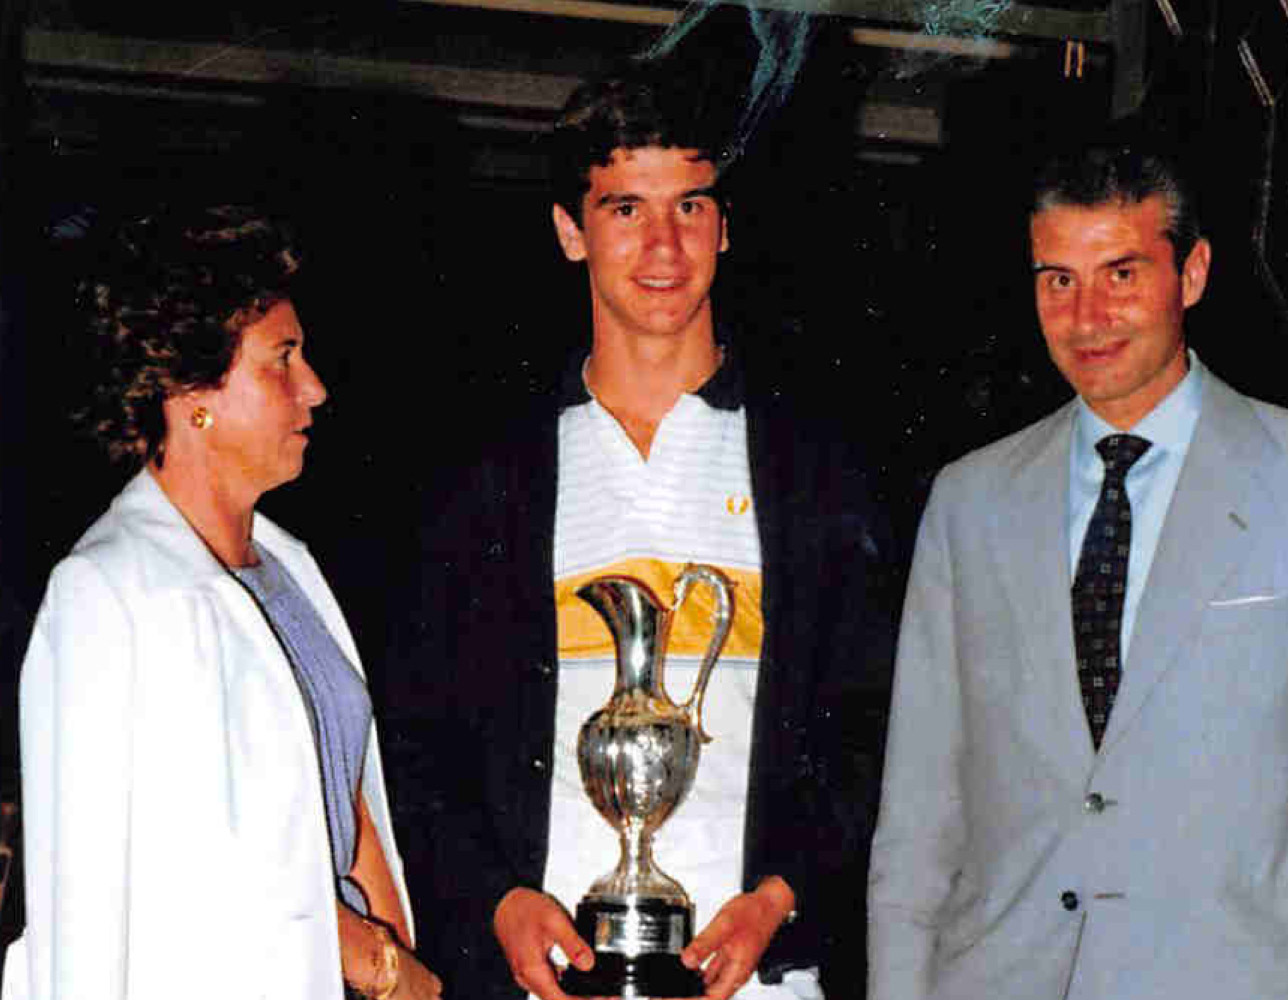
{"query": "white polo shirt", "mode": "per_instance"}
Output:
(616, 512)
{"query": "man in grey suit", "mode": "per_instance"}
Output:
(1086, 786)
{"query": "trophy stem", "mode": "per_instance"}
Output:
(637, 853)
(637, 875)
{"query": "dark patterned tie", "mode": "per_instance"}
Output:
(1101, 583)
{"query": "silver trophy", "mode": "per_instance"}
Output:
(638, 755)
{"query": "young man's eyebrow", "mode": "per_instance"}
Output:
(617, 199)
(613, 198)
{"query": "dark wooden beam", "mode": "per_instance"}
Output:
(1017, 20)
(92, 64)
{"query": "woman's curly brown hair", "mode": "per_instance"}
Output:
(171, 294)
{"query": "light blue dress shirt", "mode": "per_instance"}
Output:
(1150, 482)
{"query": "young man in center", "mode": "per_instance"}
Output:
(658, 450)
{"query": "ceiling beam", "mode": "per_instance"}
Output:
(1015, 20)
(51, 53)
(80, 62)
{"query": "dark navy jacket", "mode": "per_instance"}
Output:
(473, 682)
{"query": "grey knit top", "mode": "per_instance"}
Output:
(336, 699)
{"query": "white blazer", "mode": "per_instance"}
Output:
(174, 829)
(1014, 862)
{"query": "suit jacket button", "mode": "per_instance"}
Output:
(1069, 900)
(1094, 803)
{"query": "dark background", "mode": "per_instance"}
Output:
(884, 267)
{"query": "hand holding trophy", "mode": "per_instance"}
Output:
(638, 756)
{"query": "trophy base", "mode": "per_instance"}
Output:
(633, 977)
(655, 932)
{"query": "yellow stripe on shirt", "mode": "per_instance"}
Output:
(583, 634)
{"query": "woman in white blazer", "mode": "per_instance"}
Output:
(205, 813)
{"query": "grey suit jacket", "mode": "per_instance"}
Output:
(1013, 861)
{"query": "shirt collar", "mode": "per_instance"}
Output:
(724, 390)
(1169, 425)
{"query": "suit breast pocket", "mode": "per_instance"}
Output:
(1251, 614)
(1237, 668)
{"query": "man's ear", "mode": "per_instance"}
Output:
(569, 233)
(1194, 274)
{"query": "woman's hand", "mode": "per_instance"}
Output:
(368, 967)
(415, 982)
(372, 875)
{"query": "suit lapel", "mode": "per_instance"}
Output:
(1210, 529)
(1030, 540)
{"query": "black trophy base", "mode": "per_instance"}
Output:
(657, 971)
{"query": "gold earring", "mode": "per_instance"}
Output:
(202, 419)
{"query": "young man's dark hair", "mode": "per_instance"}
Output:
(635, 104)
(1123, 174)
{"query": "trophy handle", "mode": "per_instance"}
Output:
(722, 587)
